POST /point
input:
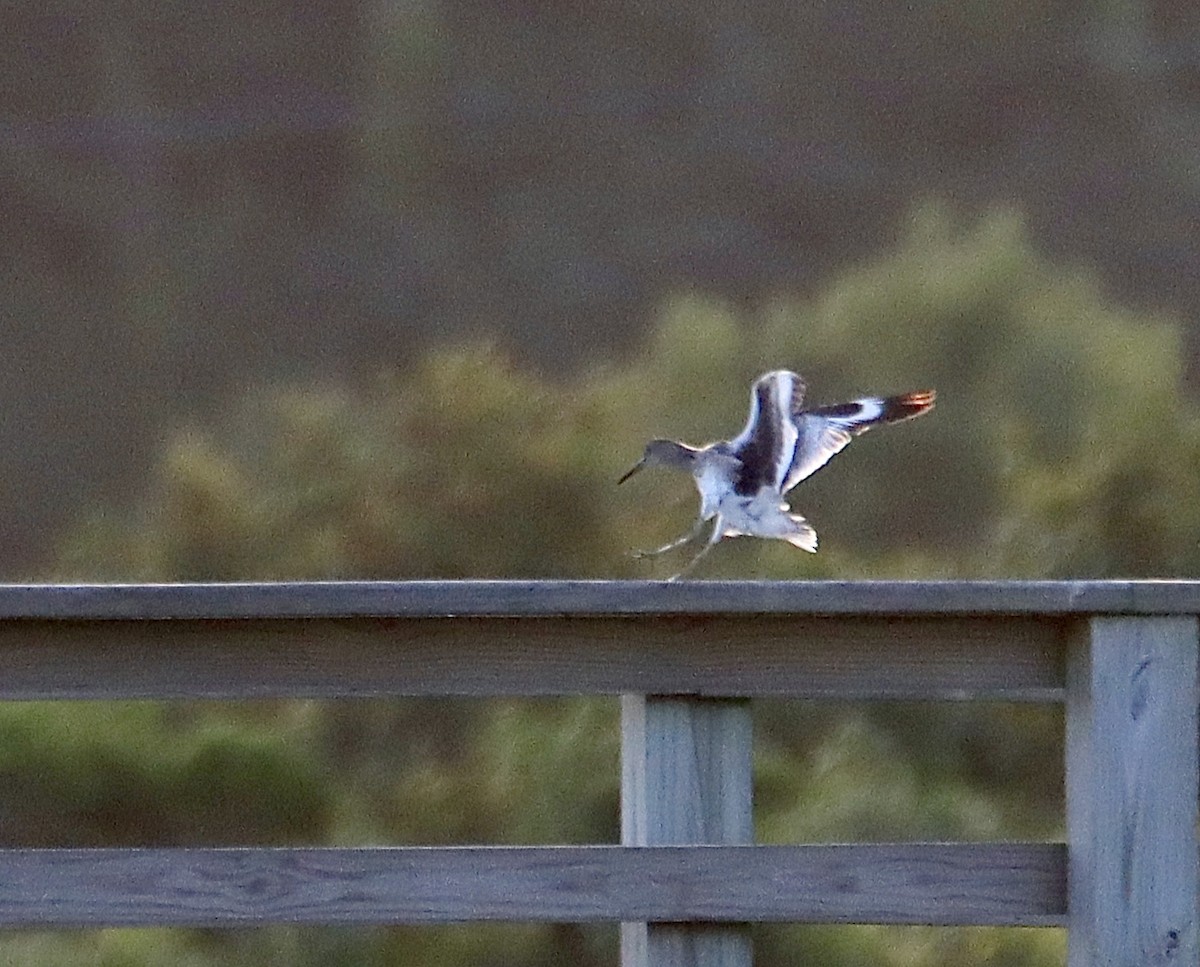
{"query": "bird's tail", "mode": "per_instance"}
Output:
(801, 534)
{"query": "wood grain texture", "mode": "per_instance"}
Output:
(1003, 884)
(686, 771)
(1132, 791)
(686, 778)
(954, 657)
(550, 598)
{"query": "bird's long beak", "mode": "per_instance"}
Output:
(631, 471)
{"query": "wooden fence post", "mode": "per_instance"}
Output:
(686, 778)
(1132, 791)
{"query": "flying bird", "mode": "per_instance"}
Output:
(743, 481)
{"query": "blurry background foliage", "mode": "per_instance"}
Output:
(383, 289)
(1062, 444)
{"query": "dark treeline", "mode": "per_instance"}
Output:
(198, 197)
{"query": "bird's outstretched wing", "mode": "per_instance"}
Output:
(825, 431)
(766, 445)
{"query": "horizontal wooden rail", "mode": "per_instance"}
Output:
(815, 639)
(1002, 884)
(526, 599)
(718, 655)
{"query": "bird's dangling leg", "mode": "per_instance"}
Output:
(718, 532)
(678, 542)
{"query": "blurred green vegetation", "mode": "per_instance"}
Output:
(1061, 446)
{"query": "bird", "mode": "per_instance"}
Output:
(743, 481)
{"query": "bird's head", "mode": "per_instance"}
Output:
(661, 453)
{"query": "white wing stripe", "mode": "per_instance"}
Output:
(785, 387)
(819, 440)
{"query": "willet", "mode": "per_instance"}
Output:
(742, 482)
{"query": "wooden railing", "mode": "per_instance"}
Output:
(686, 658)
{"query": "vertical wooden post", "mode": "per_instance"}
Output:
(1132, 791)
(686, 778)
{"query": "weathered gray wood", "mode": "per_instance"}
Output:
(548, 598)
(1004, 884)
(719, 655)
(686, 777)
(686, 771)
(1132, 791)
(1132, 748)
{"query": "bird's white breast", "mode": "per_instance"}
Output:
(714, 479)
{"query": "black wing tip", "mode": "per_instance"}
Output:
(909, 405)
(766, 382)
